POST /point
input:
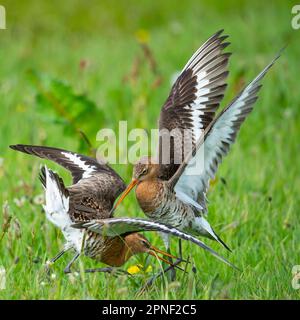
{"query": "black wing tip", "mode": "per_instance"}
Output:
(219, 37)
(225, 45)
(233, 266)
(26, 148)
(17, 147)
(223, 243)
(218, 33)
(226, 56)
(277, 56)
(270, 65)
(281, 50)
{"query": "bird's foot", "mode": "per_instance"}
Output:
(114, 271)
(161, 273)
(48, 265)
(67, 270)
(172, 274)
(68, 267)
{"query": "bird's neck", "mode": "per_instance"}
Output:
(149, 194)
(153, 173)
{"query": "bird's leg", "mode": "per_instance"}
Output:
(68, 267)
(172, 273)
(169, 268)
(180, 248)
(107, 269)
(166, 240)
(60, 254)
(161, 273)
(180, 255)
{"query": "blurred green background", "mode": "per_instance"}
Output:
(67, 66)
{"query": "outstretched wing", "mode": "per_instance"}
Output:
(79, 165)
(193, 100)
(117, 226)
(98, 187)
(192, 178)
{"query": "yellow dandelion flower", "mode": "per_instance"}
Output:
(138, 268)
(134, 269)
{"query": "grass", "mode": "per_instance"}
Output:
(256, 212)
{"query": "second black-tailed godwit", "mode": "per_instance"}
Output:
(176, 194)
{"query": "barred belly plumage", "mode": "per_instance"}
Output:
(173, 212)
(94, 245)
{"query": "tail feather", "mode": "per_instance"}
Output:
(57, 198)
(57, 207)
(42, 176)
(54, 177)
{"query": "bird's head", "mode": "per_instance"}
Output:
(137, 243)
(144, 169)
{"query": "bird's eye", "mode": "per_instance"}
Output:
(145, 243)
(145, 171)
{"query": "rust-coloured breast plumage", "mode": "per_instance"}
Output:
(149, 194)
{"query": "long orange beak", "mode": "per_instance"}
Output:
(152, 248)
(132, 184)
(153, 252)
(160, 258)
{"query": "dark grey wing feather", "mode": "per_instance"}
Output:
(96, 185)
(93, 198)
(194, 99)
(192, 178)
(118, 226)
(79, 165)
